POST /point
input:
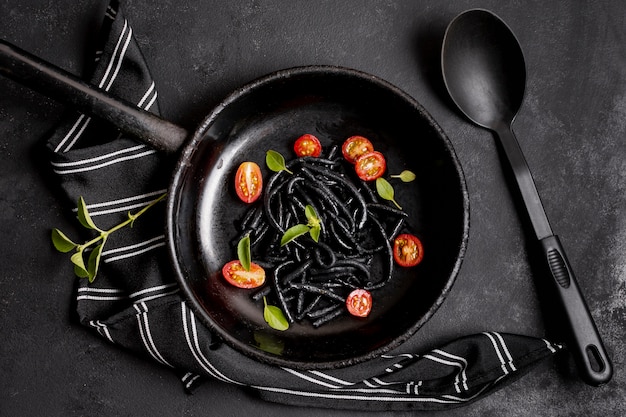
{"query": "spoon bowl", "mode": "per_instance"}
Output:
(484, 68)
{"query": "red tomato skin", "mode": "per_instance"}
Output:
(307, 145)
(370, 166)
(359, 303)
(248, 182)
(407, 250)
(355, 146)
(234, 273)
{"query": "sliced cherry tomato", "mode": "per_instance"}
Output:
(359, 302)
(407, 250)
(370, 166)
(236, 275)
(307, 145)
(248, 182)
(355, 146)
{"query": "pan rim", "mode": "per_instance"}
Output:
(174, 198)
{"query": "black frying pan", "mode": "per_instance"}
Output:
(270, 113)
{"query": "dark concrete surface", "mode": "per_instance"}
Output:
(572, 129)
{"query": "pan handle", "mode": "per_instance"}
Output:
(66, 88)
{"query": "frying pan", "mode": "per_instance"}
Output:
(270, 113)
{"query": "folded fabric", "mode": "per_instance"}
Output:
(136, 303)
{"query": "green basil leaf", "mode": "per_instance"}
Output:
(405, 176)
(80, 273)
(385, 190)
(275, 161)
(293, 232)
(274, 316)
(309, 212)
(79, 265)
(311, 216)
(315, 233)
(83, 215)
(243, 252)
(93, 263)
(61, 242)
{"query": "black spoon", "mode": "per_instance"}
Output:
(485, 74)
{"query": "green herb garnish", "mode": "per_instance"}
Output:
(313, 222)
(385, 190)
(405, 176)
(64, 244)
(275, 161)
(294, 232)
(243, 252)
(313, 227)
(274, 316)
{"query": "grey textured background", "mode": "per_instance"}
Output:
(572, 129)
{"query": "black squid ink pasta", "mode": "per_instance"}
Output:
(310, 280)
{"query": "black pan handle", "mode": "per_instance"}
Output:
(586, 345)
(66, 88)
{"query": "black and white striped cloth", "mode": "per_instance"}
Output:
(136, 304)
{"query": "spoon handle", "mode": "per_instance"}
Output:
(585, 343)
(525, 181)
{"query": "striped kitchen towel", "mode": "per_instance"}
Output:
(135, 302)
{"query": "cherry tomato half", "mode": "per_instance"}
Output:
(355, 146)
(370, 166)
(407, 250)
(307, 145)
(248, 182)
(359, 302)
(236, 275)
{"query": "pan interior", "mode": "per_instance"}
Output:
(332, 104)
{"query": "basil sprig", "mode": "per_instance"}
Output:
(64, 244)
(385, 189)
(313, 227)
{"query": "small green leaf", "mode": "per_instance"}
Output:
(311, 216)
(83, 215)
(79, 265)
(61, 242)
(243, 252)
(274, 316)
(315, 233)
(275, 161)
(80, 273)
(405, 176)
(385, 190)
(293, 232)
(309, 212)
(93, 263)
